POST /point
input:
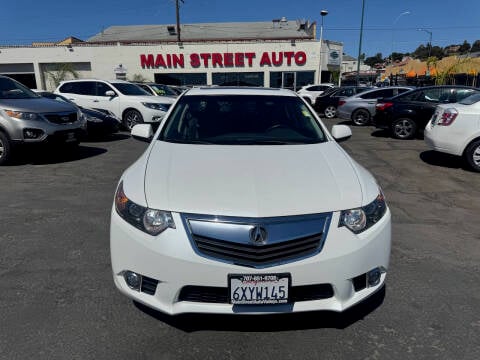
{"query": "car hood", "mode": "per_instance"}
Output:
(36, 105)
(248, 181)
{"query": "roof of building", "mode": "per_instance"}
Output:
(280, 29)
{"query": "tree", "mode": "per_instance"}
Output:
(476, 46)
(138, 78)
(373, 60)
(397, 56)
(59, 72)
(465, 47)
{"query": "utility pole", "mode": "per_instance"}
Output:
(360, 43)
(177, 7)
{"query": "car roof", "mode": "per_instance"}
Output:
(227, 90)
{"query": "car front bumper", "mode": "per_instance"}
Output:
(171, 259)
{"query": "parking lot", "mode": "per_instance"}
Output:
(58, 300)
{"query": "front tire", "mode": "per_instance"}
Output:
(330, 112)
(131, 118)
(404, 129)
(472, 155)
(361, 117)
(5, 149)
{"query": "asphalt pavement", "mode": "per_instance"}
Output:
(58, 301)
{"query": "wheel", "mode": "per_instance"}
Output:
(5, 149)
(131, 118)
(472, 155)
(404, 128)
(361, 117)
(330, 112)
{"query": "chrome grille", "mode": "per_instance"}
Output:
(229, 239)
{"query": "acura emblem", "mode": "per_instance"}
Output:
(258, 235)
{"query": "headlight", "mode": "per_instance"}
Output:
(358, 220)
(157, 106)
(92, 118)
(22, 115)
(151, 221)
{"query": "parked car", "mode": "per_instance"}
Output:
(158, 89)
(28, 118)
(98, 122)
(406, 114)
(327, 103)
(455, 129)
(360, 108)
(311, 92)
(127, 101)
(219, 216)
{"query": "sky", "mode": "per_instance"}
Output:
(389, 25)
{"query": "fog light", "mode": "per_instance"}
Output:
(373, 276)
(32, 133)
(133, 280)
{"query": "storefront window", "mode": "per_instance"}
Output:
(181, 79)
(291, 80)
(238, 79)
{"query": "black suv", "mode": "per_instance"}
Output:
(408, 113)
(327, 102)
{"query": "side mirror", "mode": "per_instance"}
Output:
(142, 132)
(110, 93)
(341, 132)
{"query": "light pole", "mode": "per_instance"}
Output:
(429, 49)
(429, 41)
(398, 17)
(360, 43)
(323, 13)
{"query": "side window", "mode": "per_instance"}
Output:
(101, 89)
(463, 93)
(84, 88)
(401, 91)
(70, 88)
(435, 95)
(144, 87)
(314, 88)
(378, 94)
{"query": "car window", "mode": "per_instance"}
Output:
(464, 93)
(242, 120)
(471, 99)
(102, 88)
(79, 87)
(130, 89)
(11, 89)
(401, 90)
(377, 94)
(144, 87)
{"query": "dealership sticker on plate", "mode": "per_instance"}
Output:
(259, 289)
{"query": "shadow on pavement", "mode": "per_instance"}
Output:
(267, 323)
(442, 159)
(106, 138)
(44, 156)
(381, 133)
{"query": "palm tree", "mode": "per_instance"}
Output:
(60, 72)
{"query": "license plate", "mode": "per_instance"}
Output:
(259, 289)
(70, 137)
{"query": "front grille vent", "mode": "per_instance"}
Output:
(62, 118)
(149, 285)
(253, 255)
(219, 295)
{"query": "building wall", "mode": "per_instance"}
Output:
(104, 61)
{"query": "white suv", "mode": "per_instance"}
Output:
(127, 101)
(245, 203)
(311, 92)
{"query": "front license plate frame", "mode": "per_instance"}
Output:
(259, 289)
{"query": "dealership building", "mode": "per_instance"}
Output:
(278, 53)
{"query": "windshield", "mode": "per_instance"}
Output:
(130, 89)
(10, 89)
(470, 100)
(242, 120)
(163, 90)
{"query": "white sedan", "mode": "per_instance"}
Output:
(455, 129)
(245, 203)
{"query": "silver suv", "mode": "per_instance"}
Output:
(26, 117)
